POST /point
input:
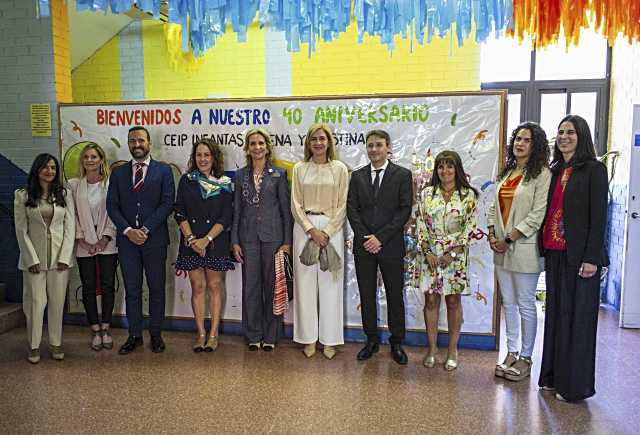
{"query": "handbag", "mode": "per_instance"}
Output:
(280, 287)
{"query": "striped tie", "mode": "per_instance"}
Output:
(138, 181)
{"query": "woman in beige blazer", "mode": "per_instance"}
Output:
(45, 229)
(96, 245)
(514, 219)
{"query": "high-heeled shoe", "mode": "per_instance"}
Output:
(309, 350)
(96, 342)
(451, 364)
(212, 343)
(107, 340)
(198, 346)
(329, 352)
(429, 361)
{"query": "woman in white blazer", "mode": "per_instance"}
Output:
(514, 219)
(45, 229)
(96, 245)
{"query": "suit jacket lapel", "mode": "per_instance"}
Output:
(369, 180)
(386, 176)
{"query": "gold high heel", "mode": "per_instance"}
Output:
(198, 346)
(429, 361)
(309, 350)
(212, 343)
(451, 364)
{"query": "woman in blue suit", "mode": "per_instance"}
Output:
(203, 210)
(262, 225)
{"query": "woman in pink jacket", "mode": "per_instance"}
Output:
(96, 250)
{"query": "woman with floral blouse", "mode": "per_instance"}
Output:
(447, 218)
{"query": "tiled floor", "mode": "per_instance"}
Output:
(237, 391)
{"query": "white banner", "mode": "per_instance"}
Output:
(420, 126)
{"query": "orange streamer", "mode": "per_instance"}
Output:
(545, 20)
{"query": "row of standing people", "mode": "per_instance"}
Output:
(254, 221)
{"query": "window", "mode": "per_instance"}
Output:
(547, 84)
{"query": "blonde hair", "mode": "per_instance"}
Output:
(104, 168)
(267, 140)
(331, 148)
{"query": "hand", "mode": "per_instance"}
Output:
(102, 243)
(432, 260)
(372, 244)
(35, 268)
(137, 237)
(86, 246)
(320, 237)
(200, 246)
(587, 270)
(285, 248)
(237, 253)
(500, 246)
(61, 267)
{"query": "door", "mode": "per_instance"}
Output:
(630, 298)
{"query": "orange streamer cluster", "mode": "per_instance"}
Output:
(544, 20)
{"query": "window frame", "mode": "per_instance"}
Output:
(531, 93)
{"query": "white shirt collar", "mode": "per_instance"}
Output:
(383, 167)
(146, 161)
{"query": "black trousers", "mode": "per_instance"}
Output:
(393, 277)
(570, 325)
(88, 276)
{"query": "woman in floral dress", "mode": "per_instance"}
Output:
(447, 218)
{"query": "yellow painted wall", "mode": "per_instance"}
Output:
(98, 78)
(230, 69)
(61, 51)
(346, 67)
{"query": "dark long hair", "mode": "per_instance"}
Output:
(585, 149)
(454, 159)
(57, 191)
(539, 156)
(217, 168)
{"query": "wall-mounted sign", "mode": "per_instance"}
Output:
(41, 120)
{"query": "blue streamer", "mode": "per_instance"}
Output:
(306, 21)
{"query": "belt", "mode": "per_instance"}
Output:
(313, 213)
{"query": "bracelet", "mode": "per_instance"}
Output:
(188, 239)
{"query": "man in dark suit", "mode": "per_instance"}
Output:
(378, 207)
(139, 200)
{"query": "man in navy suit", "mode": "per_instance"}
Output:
(140, 198)
(378, 207)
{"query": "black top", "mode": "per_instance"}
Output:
(203, 214)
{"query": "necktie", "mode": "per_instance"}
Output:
(376, 183)
(138, 181)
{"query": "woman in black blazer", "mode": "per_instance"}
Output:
(574, 250)
(203, 210)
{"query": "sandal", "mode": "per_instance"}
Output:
(96, 342)
(511, 359)
(253, 347)
(520, 370)
(107, 340)
(429, 361)
(198, 346)
(451, 364)
(268, 347)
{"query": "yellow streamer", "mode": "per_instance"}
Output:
(178, 59)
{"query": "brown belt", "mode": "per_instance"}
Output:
(313, 213)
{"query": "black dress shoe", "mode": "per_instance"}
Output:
(129, 345)
(157, 344)
(398, 354)
(368, 350)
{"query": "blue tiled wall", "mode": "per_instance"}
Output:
(615, 238)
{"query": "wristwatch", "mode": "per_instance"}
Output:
(209, 238)
(508, 240)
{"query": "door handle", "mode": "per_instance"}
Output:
(634, 215)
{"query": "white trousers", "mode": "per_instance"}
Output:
(48, 288)
(318, 296)
(518, 292)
